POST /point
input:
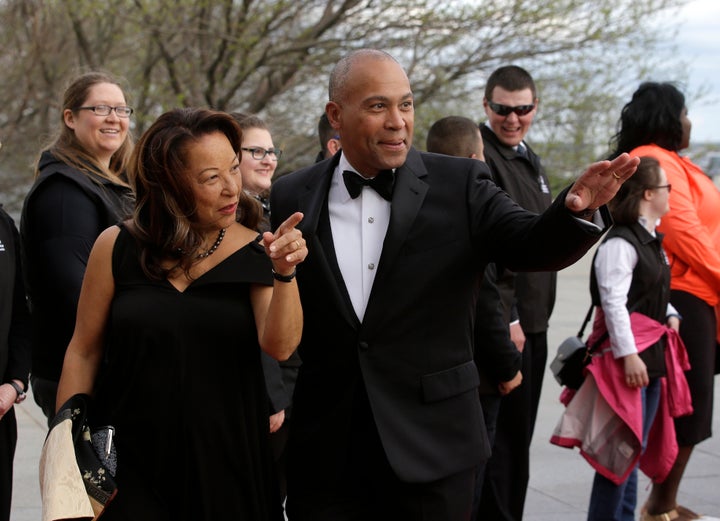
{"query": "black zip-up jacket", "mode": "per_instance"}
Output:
(532, 293)
(14, 316)
(64, 212)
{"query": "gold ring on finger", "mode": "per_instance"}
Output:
(615, 175)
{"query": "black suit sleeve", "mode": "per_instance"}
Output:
(497, 358)
(525, 241)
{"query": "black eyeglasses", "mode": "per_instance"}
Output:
(259, 153)
(505, 110)
(104, 110)
(668, 186)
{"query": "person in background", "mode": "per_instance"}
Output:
(630, 272)
(329, 139)
(655, 123)
(510, 103)
(455, 136)
(80, 189)
(386, 418)
(497, 358)
(184, 296)
(259, 159)
(14, 352)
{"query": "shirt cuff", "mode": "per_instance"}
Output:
(597, 223)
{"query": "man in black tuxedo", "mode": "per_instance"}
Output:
(387, 420)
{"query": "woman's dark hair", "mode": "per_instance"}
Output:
(165, 209)
(652, 116)
(625, 206)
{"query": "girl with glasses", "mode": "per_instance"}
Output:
(259, 159)
(630, 283)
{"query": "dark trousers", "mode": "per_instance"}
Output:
(8, 442)
(490, 406)
(508, 470)
(697, 330)
(366, 488)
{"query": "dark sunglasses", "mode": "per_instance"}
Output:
(505, 110)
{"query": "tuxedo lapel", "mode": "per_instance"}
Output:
(317, 233)
(328, 247)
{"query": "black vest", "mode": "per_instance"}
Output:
(650, 288)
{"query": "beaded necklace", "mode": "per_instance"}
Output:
(214, 247)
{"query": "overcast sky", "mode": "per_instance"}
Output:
(699, 44)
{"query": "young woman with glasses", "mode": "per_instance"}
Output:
(259, 159)
(630, 285)
(80, 189)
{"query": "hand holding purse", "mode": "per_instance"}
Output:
(77, 464)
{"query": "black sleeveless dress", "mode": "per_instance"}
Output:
(183, 385)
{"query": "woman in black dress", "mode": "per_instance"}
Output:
(175, 306)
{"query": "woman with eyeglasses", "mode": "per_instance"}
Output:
(80, 189)
(630, 287)
(259, 159)
(655, 123)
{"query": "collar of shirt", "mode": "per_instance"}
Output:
(644, 223)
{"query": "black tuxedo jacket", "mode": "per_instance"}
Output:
(414, 348)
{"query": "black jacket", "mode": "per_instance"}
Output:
(63, 214)
(14, 316)
(524, 179)
(413, 352)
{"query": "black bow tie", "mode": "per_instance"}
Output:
(381, 183)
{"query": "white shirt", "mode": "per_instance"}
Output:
(614, 264)
(358, 230)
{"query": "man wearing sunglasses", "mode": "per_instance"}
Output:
(510, 104)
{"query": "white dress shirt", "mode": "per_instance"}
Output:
(358, 230)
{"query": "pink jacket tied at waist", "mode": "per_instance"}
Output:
(604, 417)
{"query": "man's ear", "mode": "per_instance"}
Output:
(333, 145)
(333, 112)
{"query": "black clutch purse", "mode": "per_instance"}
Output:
(95, 451)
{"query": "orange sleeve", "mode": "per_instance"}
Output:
(691, 226)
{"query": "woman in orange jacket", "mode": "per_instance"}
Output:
(655, 123)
